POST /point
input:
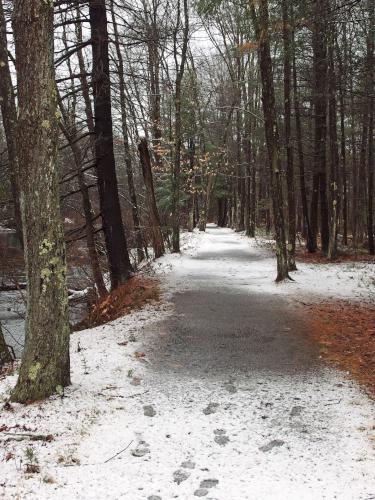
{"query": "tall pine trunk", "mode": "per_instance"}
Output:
(45, 363)
(176, 168)
(334, 155)
(125, 135)
(118, 257)
(287, 39)
(371, 157)
(320, 109)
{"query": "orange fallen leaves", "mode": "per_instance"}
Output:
(346, 335)
(302, 255)
(134, 294)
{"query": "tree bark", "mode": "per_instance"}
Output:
(176, 169)
(125, 135)
(261, 25)
(118, 257)
(301, 162)
(45, 367)
(157, 235)
(370, 97)
(334, 156)
(320, 105)
(9, 115)
(5, 356)
(287, 39)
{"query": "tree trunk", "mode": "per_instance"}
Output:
(287, 39)
(157, 235)
(370, 97)
(301, 160)
(334, 156)
(124, 125)
(320, 105)
(9, 115)
(45, 367)
(261, 26)
(342, 93)
(118, 257)
(153, 43)
(5, 356)
(84, 83)
(176, 169)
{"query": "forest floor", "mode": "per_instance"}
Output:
(220, 390)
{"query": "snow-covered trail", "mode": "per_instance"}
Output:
(233, 402)
(240, 398)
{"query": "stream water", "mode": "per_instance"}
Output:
(12, 318)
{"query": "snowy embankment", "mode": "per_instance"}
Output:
(123, 431)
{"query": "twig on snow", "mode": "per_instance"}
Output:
(119, 453)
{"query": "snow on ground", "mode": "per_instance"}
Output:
(349, 280)
(123, 431)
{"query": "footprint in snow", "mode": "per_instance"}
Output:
(149, 411)
(230, 387)
(209, 483)
(276, 443)
(220, 437)
(180, 476)
(141, 450)
(296, 411)
(202, 492)
(204, 487)
(188, 465)
(211, 408)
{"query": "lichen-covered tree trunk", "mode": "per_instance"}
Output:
(45, 363)
(261, 25)
(9, 115)
(118, 257)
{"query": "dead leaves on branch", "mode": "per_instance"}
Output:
(248, 47)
